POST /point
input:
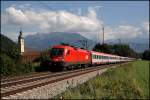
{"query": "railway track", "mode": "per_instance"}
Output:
(9, 79)
(20, 85)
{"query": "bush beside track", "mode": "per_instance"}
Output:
(126, 82)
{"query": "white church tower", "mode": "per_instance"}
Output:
(21, 43)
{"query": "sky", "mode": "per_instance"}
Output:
(120, 19)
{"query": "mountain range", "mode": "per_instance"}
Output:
(42, 41)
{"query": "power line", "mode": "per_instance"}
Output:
(84, 43)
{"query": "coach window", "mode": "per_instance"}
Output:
(101, 57)
(93, 56)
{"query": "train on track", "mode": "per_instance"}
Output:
(68, 57)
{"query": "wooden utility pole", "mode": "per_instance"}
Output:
(103, 34)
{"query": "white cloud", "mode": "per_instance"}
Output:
(123, 32)
(51, 21)
(145, 26)
(16, 17)
(63, 21)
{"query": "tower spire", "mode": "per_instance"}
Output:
(21, 42)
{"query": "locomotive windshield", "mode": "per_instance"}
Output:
(57, 51)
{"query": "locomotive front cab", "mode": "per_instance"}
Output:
(58, 55)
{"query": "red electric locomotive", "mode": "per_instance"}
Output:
(64, 56)
(67, 56)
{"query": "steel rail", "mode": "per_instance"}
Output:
(59, 77)
(30, 79)
(34, 78)
(4, 80)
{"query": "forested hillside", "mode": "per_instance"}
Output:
(6, 44)
(10, 60)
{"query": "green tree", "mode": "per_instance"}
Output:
(103, 48)
(117, 49)
(14, 53)
(124, 50)
(146, 55)
(7, 65)
(63, 43)
(45, 57)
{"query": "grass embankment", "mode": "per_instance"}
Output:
(127, 82)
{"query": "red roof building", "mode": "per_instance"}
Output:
(30, 55)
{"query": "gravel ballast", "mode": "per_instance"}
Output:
(53, 89)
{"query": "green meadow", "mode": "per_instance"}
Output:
(130, 81)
